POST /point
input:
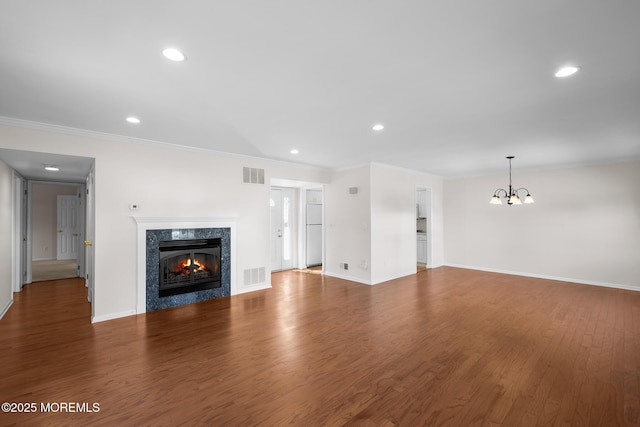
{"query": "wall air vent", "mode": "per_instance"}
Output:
(252, 175)
(254, 276)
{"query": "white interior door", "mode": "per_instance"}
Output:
(276, 229)
(68, 227)
(288, 227)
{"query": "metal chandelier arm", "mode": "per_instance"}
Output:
(511, 196)
(495, 199)
(527, 198)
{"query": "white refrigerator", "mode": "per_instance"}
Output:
(314, 235)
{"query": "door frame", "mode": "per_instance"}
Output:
(88, 266)
(300, 242)
(22, 254)
(18, 270)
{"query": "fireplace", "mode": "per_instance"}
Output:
(188, 266)
(214, 240)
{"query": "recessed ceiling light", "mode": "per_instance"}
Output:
(294, 151)
(51, 168)
(133, 120)
(567, 71)
(174, 54)
(378, 127)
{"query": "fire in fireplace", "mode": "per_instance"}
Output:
(189, 266)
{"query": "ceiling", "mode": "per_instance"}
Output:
(31, 165)
(458, 85)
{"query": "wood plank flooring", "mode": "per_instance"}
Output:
(443, 347)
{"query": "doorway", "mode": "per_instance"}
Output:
(76, 172)
(56, 222)
(424, 254)
(292, 228)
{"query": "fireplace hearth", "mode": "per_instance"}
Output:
(188, 266)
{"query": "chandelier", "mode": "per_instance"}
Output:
(511, 195)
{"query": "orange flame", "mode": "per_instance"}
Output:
(196, 264)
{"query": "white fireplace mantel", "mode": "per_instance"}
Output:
(162, 223)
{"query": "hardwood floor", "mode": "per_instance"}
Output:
(443, 347)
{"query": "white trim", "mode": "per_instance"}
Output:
(387, 166)
(542, 276)
(6, 308)
(46, 259)
(388, 279)
(349, 278)
(251, 288)
(17, 219)
(406, 170)
(111, 316)
(29, 261)
(145, 224)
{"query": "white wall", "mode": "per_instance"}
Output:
(375, 230)
(393, 224)
(166, 182)
(170, 182)
(44, 218)
(347, 219)
(6, 224)
(583, 227)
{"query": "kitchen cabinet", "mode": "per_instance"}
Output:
(421, 242)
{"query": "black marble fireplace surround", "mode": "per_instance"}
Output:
(154, 237)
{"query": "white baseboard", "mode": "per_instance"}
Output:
(349, 278)
(365, 282)
(6, 308)
(251, 288)
(387, 279)
(111, 316)
(542, 276)
(44, 259)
